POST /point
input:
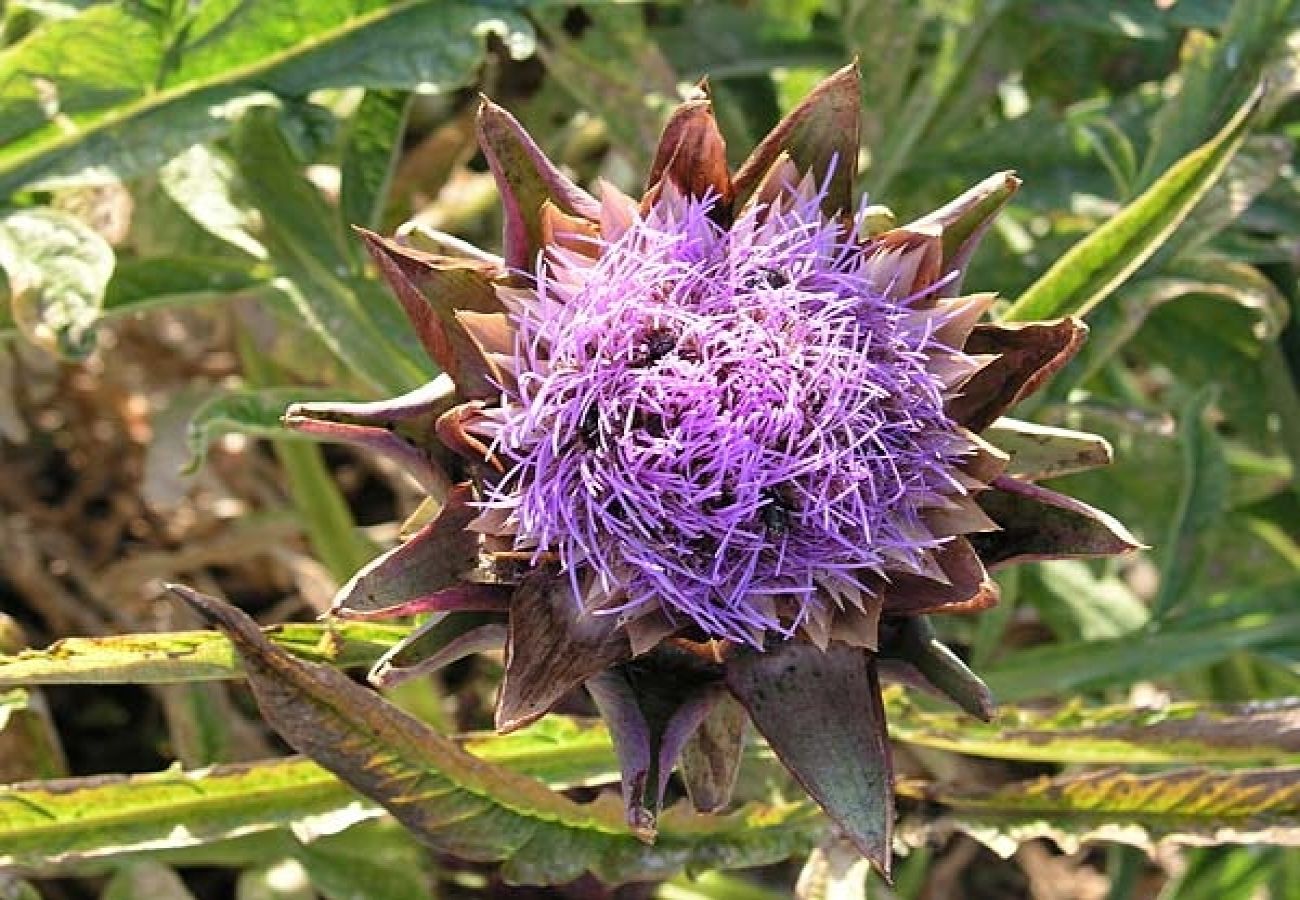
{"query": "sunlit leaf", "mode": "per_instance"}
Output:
(1187, 733)
(58, 270)
(1093, 268)
(1181, 807)
(105, 94)
(170, 657)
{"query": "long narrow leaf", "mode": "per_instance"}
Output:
(1098, 264)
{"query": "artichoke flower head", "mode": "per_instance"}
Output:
(714, 454)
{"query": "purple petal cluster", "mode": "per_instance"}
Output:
(732, 424)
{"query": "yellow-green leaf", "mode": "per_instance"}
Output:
(1098, 264)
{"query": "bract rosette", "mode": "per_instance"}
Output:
(715, 454)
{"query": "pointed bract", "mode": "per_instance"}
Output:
(1042, 451)
(822, 715)
(1026, 356)
(430, 291)
(1037, 524)
(916, 643)
(554, 647)
(964, 221)
(435, 645)
(692, 156)
(711, 759)
(433, 560)
(966, 586)
(822, 131)
(526, 179)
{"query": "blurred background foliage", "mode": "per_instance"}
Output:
(177, 181)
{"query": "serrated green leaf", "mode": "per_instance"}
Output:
(1186, 733)
(180, 656)
(60, 822)
(464, 806)
(116, 91)
(58, 270)
(1180, 807)
(1094, 267)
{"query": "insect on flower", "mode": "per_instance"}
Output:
(716, 448)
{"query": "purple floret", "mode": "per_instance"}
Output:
(732, 424)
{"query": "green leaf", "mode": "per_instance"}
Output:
(1180, 807)
(58, 269)
(1240, 622)
(201, 183)
(1094, 267)
(1080, 605)
(943, 77)
(461, 805)
(80, 819)
(1253, 170)
(377, 861)
(324, 512)
(359, 322)
(1207, 276)
(252, 411)
(615, 70)
(1187, 733)
(115, 91)
(1215, 79)
(371, 148)
(1202, 501)
(1133, 19)
(181, 656)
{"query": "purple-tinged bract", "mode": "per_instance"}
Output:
(721, 420)
(752, 433)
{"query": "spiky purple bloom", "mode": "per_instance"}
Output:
(720, 420)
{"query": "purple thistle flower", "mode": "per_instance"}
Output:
(721, 421)
(715, 455)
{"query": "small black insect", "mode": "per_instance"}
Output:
(589, 429)
(767, 277)
(654, 345)
(775, 515)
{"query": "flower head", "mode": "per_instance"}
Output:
(719, 444)
(734, 425)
